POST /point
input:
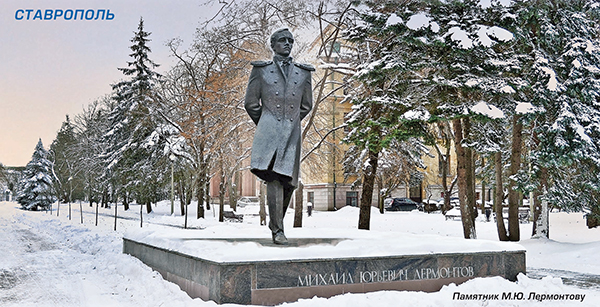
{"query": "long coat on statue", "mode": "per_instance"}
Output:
(277, 103)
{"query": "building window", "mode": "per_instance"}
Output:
(352, 198)
(311, 197)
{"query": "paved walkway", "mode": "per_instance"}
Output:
(576, 279)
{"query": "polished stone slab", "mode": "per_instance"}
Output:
(271, 282)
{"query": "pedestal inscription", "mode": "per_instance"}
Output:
(278, 281)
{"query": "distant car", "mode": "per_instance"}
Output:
(401, 204)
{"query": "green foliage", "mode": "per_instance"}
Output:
(560, 43)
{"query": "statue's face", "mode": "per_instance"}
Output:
(283, 45)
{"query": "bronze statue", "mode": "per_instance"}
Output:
(278, 97)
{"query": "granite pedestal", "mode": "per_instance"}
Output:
(271, 282)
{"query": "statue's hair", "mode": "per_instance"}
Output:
(275, 36)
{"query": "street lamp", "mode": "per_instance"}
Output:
(172, 158)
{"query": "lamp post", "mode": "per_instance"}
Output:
(172, 158)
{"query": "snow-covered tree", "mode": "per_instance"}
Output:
(36, 191)
(90, 126)
(133, 151)
(444, 57)
(3, 176)
(387, 107)
(63, 153)
(204, 90)
(466, 49)
(560, 44)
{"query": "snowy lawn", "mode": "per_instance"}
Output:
(53, 261)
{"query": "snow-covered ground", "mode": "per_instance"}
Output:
(56, 261)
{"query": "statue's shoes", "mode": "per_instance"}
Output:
(280, 239)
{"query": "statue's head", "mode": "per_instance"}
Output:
(282, 42)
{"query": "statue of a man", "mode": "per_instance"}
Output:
(278, 97)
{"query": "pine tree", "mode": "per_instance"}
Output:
(36, 189)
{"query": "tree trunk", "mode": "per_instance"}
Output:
(207, 192)
(200, 195)
(483, 187)
(125, 201)
(470, 166)
(380, 197)
(232, 192)
(172, 189)
(470, 180)
(515, 165)
(443, 160)
(446, 206)
(463, 176)
(540, 213)
(90, 199)
(148, 206)
(366, 198)
(182, 198)
(116, 217)
(104, 198)
(141, 215)
(499, 197)
(298, 206)
(537, 210)
(186, 216)
(262, 198)
(221, 195)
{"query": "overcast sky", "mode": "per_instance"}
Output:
(51, 68)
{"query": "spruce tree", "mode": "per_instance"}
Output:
(131, 141)
(36, 189)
